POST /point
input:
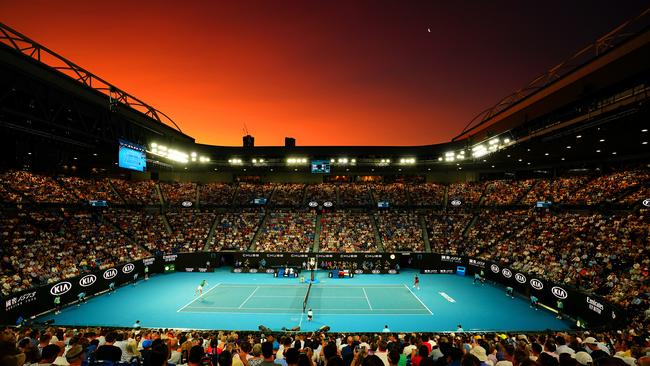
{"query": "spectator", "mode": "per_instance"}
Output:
(109, 351)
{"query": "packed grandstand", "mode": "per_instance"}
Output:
(595, 238)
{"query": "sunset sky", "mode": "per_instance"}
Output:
(325, 72)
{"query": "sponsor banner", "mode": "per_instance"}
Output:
(595, 311)
(476, 263)
(41, 299)
(196, 262)
(362, 262)
(434, 263)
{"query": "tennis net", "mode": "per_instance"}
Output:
(304, 302)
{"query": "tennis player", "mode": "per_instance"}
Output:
(199, 289)
(310, 315)
(416, 282)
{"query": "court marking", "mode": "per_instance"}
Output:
(249, 297)
(269, 310)
(430, 312)
(271, 285)
(447, 297)
(366, 295)
(321, 297)
(200, 296)
(299, 309)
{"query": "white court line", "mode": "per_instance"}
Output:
(296, 309)
(315, 286)
(418, 299)
(301, 315)
(200, 296)
(447, 297)
(293, 313)
(320, 297)
(249, 297)
(366, 295)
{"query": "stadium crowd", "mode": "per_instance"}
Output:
(247, 192)
(289, 194)
(146, 228)
(554, 190)
(351, 194)
(177, 193)
(427, 194)
(287, 231)
(159, 347)
(347, 232)
(445, 231)
(137, 192)
(469, 192)
(395, 193)
(190, 229)
(400, 231)
(608, 187)
(91, 189)
(235, 230)
(502, 192)
(219, 194)
(47, 246)
(321, 193)
(36, 188)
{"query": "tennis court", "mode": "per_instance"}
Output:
(323, 299)
(365, 303)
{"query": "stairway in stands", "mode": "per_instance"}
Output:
(253, 245)
(317, 232)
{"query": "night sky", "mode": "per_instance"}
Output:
(325, 72)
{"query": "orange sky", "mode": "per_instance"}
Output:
(326, 73)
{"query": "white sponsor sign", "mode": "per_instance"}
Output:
(128, 268)
(559, 292)
(60, 288)
(110, 273)
(87, 280)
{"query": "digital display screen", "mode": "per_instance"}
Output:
(383, 204)
(259, 201)
(98, 203)
(132, 156)
(543, 204)
(320, 166)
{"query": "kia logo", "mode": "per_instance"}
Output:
(646, 203)
(60, 288)
(313, 204)
(520, 278)
(328, 204)
(186, 204)
(536, 284)
(110, 273)
(456, 203)
(87, 280)
(506, 273)
(128, 268)
(559, 292)
(494, 268)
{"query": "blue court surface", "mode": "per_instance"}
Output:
(364, 303)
